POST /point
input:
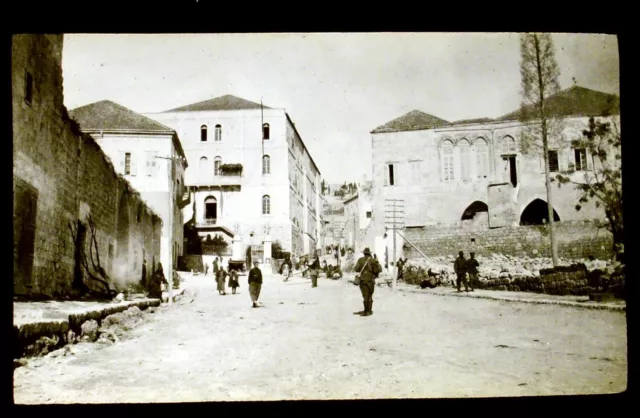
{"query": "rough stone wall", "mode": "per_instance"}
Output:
(576, 239)
(67, 177)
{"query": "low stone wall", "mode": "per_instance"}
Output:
(191, 262)
(576, 240)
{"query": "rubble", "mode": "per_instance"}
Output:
(89, 330)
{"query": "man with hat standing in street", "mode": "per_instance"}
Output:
(472, 269)
(255, 283)
(367, 269)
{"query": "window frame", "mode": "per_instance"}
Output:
(580, 159)
(266, 128)
(266, 165)
(557, 160)
(218, 133)
(266, 204)
(127, 163)
(204, 133)
(448, 161)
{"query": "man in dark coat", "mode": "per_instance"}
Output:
(460, 267)
(154, 286)
(143, 279)
(255, 283)
(314, 271)
(472, 269)
(368, 269)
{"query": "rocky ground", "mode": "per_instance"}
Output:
(305, 343)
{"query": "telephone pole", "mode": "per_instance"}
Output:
(394, 219)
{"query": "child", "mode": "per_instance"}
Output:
(233, 281)
(220, 276)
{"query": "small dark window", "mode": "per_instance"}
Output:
(391, 179)
(369, 215)
(28, 87)
(265, 131)
(203, 133)
(581, 159)
(553, 161)
(218, 133)
(127, 163)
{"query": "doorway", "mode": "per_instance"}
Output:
(210, 210)
(513, 172)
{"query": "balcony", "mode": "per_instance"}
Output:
(207, 222)
(220, 181)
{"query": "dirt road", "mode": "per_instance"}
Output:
(306, 344)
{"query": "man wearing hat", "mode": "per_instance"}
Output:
(460, 267)
(472, 269)
(255, 283)
(368, 269)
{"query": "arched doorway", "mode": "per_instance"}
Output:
(536, 213)
(123, 236)
(471, 210)
(210, 210)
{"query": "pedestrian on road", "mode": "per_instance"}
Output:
(233, 281)
(155, 284)
(472, 269)
(220, 278)
(255, 283)
(400, 267)
(460, 267)
(368, 269)
(206, 269)
(216, 267)
(314, 270)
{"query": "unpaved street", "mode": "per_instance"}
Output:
(306, 344)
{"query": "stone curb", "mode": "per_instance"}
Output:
(178, 293)
(584, 305)
(28, 333)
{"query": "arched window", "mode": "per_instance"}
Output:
(266, 205)
(482, 157)
(265, 131)
(203, 133)
(217, 162)
(218, 133)
(508, 145)
(465, 160)
(447, 160)
(210, 209)
(266, 165)
(203, 169)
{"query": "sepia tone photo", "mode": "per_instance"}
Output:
(316, 216)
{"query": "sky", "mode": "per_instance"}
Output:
(336, 87)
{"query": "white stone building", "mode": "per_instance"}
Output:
(149, 155)
(251, 178)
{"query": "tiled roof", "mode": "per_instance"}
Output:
(227, 102)
(576, 101)
(106, 115)
(470, 121)
(412, 121)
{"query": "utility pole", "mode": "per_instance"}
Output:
(394, 211)
(171, 161)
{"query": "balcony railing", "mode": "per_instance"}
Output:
(221, 180)
(208, 221)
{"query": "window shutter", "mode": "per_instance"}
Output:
(133, 164)
(122, 158)
(386, 174)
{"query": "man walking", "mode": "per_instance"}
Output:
(460, 267)
(255, 283)
(368, 269)
(314, 271)
(472, 269)
(216, 267)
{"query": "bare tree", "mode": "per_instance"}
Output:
(541, 125)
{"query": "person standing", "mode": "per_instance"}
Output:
(233, 281)
(368, 269)
(206, 269)
(460, 267)
(220, 279)
(400, 266)
(216, 267)
(155, 284)
(143, 279)
(255, 283)
(472, 269)
(314, 270)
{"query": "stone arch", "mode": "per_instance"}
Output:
(471, 210)
(508, 145)
(536, 213)
(123, 236)
(446, 141)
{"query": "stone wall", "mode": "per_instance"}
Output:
(63, 179)
(576, 240)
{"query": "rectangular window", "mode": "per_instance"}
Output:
(553, 161)
(390, 175)
(447, 156)
(151, 163)
(369, 215)
(127, 163)
(28, 87)
(581, 159)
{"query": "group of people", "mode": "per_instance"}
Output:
(153, 285)
(220, 274)
(462, 267)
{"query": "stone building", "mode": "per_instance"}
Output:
(358, 211)
(149, 155)
(69, 204)
(473, 175)
(251, 178)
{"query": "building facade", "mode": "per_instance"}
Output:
(73, 215)
(251, 177)
(150, 156)
(475, 172)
